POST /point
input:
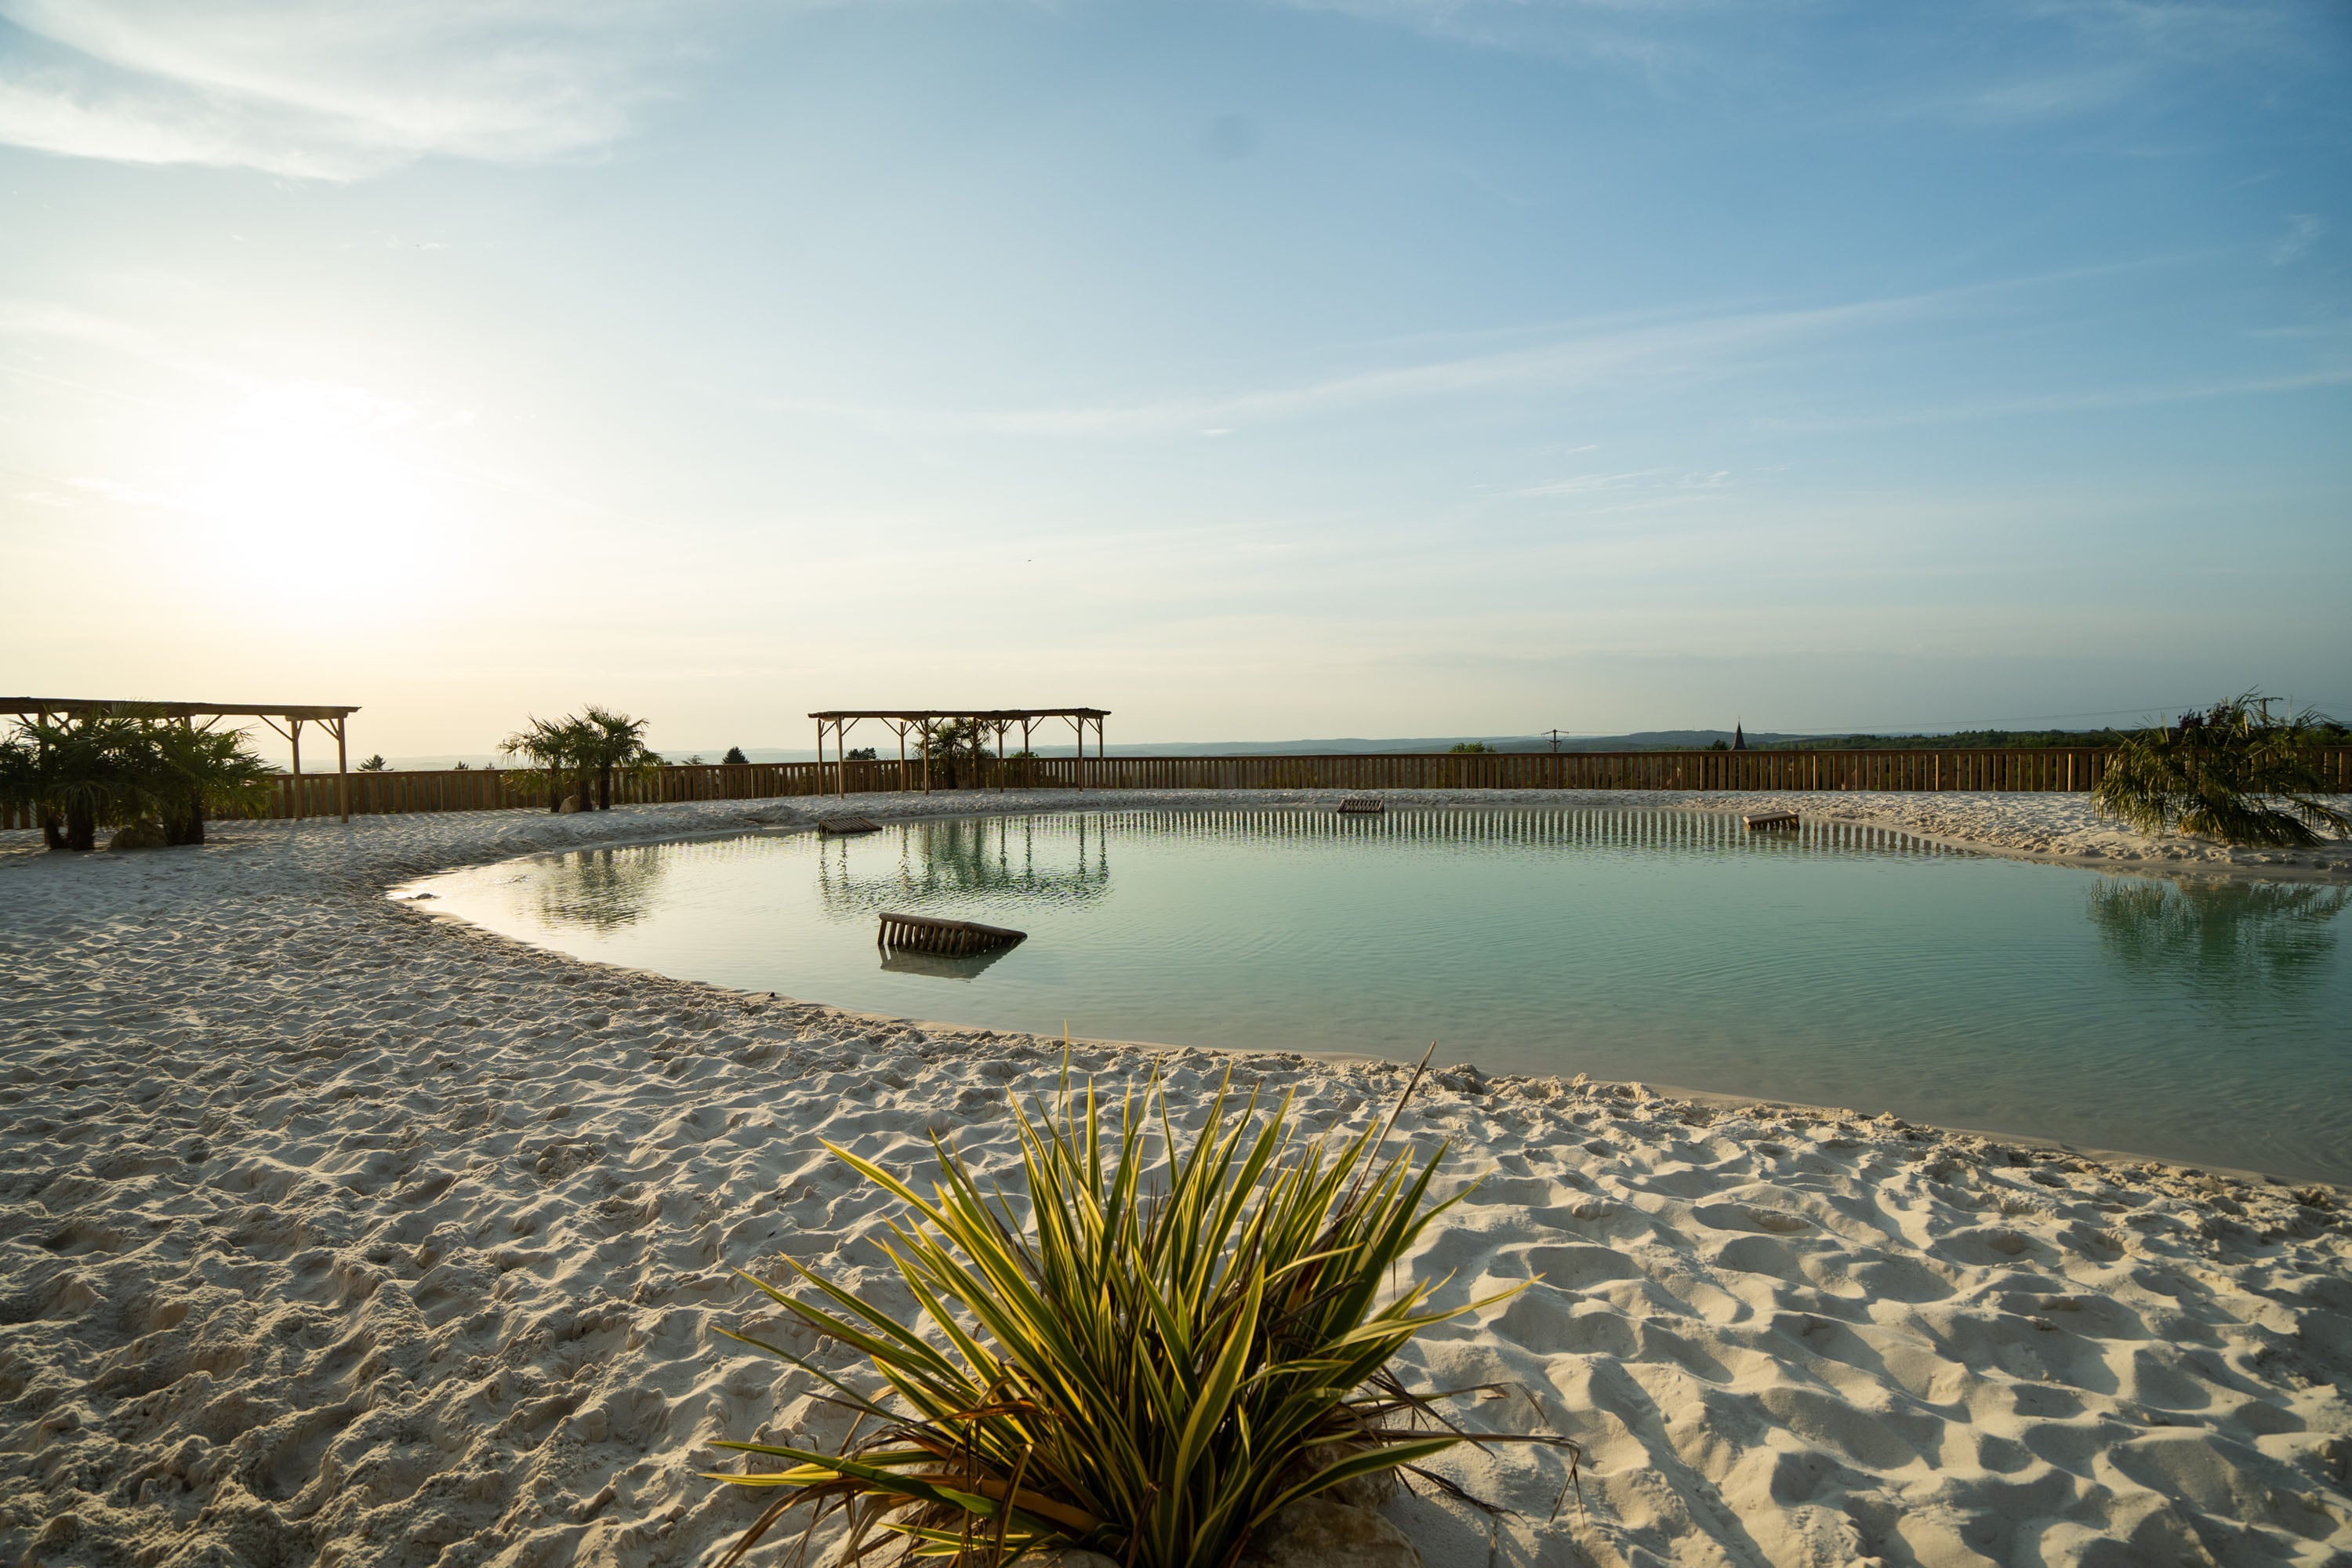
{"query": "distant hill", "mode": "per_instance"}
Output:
(1351, 745)
(1355, 745)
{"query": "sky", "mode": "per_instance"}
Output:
(1252, 370)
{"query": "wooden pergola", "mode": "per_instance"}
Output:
(287, 720)
(923, 722)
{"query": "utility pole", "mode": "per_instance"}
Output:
(1555, 735)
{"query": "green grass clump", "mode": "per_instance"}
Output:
(1148, 1368)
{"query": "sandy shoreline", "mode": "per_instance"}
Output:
(332, 1232)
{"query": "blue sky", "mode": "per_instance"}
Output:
(1251, 370)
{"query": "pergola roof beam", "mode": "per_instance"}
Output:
(920, 715)
(23, 705)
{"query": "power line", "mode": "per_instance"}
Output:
(1921, 725)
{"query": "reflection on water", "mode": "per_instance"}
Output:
(1053, 860)
(1594, 829)
(603, 889)
(2217, 937)
(1065, 861)
(966, 967)
(1840, 965)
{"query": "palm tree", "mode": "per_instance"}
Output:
(2232, 772)
(955, 746)
(584, 751)
(558, 746)
(20, 777)
(194, 772)
(127, 767)
(614, 743)
(77, 773)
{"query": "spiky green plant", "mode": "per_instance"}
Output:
(2232, 773)
(1151, 1364)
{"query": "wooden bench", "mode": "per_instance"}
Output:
(1362, 805)
(829, 825)
(1763, 819)
(927, 933)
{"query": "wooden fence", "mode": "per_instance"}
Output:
(491, 789)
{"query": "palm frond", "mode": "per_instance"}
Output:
(2233, 773)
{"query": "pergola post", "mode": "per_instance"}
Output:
(901, 728)
(296, 725)
(342, 769)
(927, 756)
(820, 758)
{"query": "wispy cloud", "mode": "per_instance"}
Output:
(2302, 231)
(330, 90)
(1586, 484)
(1652, 352)
(2075, 402)
(1662, 40)
(1636, 479)
(1702, 347)
(2027, 99)
(48, 318)
(1998, 65)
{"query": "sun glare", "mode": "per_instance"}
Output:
(310, 476)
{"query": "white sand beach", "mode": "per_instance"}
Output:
(334, 1232)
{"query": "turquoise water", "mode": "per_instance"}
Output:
(2211, 1023)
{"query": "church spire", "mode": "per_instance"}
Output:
(1739, 738)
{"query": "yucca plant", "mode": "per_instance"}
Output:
(2232, 773)
(1152, 1365)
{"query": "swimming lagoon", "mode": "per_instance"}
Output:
(2207, 1022)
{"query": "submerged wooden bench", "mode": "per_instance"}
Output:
(831, 824)
(1771, 819)
(1362, 805)
(926, 933)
